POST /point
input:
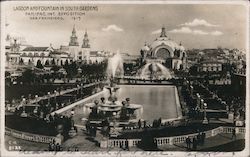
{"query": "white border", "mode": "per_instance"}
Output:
(4, 152)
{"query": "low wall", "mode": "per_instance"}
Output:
(66, 110)
(111, 143)
(29, 136)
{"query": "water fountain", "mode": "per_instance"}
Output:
(113, 110)
(154, 70)
(115, 66)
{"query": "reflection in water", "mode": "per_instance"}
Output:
(157, 101)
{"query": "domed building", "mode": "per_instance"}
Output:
(165, 51)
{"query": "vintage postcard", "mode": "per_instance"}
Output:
(124, 78)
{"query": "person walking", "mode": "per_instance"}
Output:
(234, 134)
(188, 142)
(194, 143)
(126, 144)
(52, 145)
(58, 147)
(203, 136)
(139, 124)
(144, 124)
(199, 138)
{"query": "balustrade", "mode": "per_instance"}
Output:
(29, 136)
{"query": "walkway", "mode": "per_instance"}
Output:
(36, 100)
(84, 143)
(64, 92)
(217, 140)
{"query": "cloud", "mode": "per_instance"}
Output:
(112, 27)
(187, 30)
(200, 32)
(158, 31)
(216, 33)
(199, 22)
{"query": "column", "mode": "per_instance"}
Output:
(198, 100)
(205, 121)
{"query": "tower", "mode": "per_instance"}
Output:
(163, 32)
(73, 38)
(85, 50)
(85, 43)
(73, 44)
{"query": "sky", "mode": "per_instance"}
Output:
(126, 27)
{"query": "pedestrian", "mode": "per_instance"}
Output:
(203, 136)
(144, 124)
(233, 134)
(139, 123)
(58, 147)
(194, 143)
(199, 138)
(126, 144)
(52, 146)
(72, 112)
(94, 131)
(188, 142)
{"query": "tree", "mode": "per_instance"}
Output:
(7, 73)
(193, 70)
(28, 76)
(55, 68)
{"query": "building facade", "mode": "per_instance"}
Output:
(16, 53)
(210, 66)
(165, 51)
(79, 52)
(35, 55)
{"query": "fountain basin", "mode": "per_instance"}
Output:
(158, 101)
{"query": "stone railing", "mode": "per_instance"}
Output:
(29, 136)
(111, 143)
(170, 140)
(67, 109)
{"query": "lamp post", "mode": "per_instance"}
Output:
(48, 97)
(81, 89)
(55, 95)
(36, 99)
(78, 90)
(24, 103)
(29, 98)
(191, 90)
(202, 104)
(24, 114)
(198, 100)
(205, 121)
(36, 108)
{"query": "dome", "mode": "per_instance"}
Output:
(164, 41)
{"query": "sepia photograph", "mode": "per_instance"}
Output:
(124, 78)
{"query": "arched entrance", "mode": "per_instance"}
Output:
(163, 53)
